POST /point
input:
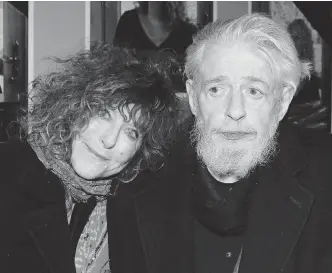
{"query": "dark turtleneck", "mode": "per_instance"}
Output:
(218, 245)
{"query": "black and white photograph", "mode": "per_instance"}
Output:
(165, 137)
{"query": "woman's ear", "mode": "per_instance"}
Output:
(191, 96)
(287, 95)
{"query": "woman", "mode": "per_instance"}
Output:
(309, 90)
(157, 30)
(155, 25)
(307, 109)
(93, 126)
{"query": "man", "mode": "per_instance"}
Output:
(275, 182)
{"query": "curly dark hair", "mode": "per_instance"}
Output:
(89, 84)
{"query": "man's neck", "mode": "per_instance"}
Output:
(227, 179)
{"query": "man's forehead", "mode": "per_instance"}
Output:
(223, 62)
(225, 79)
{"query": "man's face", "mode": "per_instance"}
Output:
(236, 110)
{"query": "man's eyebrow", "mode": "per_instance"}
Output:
(215, 80)
(255, 79)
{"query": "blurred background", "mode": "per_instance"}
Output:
(32, 32)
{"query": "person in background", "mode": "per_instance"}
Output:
(155, 25)
(309, 89)
(157, 29)
(307, 109)
(101, 122)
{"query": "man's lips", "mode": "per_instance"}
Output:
(237, 135)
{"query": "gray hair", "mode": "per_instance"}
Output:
(273, 42)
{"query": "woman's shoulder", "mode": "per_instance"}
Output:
(129, 15)
(16, 157)
(14, 149)
(22, 172)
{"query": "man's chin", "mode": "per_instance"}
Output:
(235, 158)
(235, 167)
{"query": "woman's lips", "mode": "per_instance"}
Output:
(94, 153)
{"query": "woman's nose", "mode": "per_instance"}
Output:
(109, 137)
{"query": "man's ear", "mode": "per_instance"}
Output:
(287, 95)
(191, 96)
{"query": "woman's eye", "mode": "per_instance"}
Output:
(217, 90)
(132, 133)
(254, 92)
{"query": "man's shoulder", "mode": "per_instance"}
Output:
(181, 156)
(315, 143)
(183, 137)
(317, 148)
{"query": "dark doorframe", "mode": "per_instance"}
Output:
(22, 6)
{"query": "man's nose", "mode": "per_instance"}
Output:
(235, 109)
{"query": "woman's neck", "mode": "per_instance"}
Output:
(154, 11)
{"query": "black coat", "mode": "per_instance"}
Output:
(151, 220)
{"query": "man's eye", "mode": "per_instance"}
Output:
(255, 93)
(132, 133)
(215, 90)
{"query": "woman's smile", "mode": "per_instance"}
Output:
(95, 154)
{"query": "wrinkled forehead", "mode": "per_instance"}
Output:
(235, 61)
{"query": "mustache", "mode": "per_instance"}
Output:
(200, 132)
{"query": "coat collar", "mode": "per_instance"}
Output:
(279, 208)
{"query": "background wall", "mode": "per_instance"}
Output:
(226, 10)
(56, 29)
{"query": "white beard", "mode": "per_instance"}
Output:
(234, 158)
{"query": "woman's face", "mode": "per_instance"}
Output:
(105, 147)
